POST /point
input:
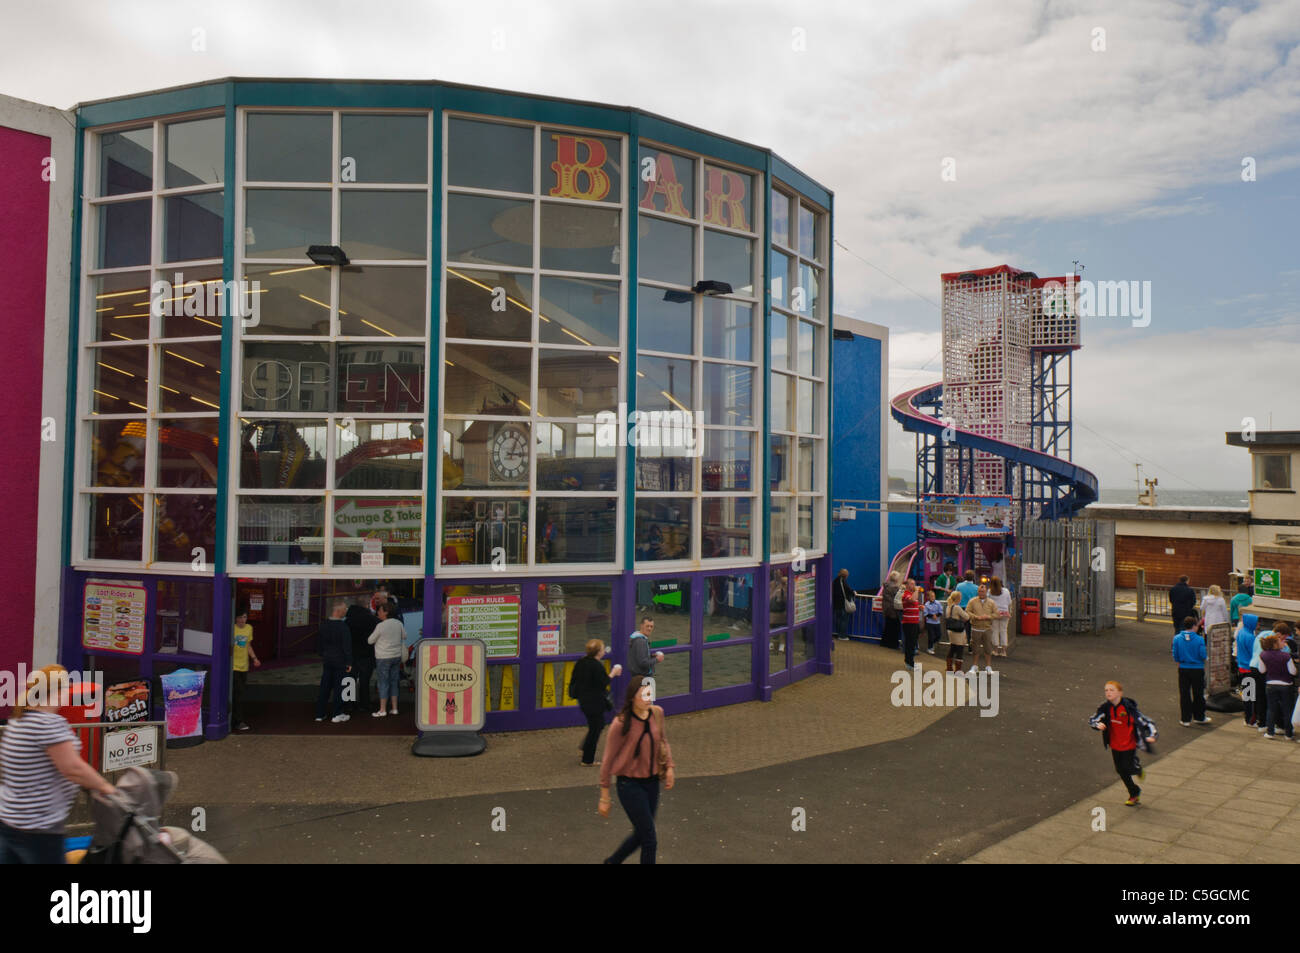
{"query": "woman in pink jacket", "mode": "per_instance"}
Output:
(637, 754)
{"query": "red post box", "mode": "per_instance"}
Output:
(1029, 616)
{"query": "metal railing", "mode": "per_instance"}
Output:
(1154, 600)
(91, 735)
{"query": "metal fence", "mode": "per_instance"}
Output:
(865, 623)
(91, 735)
(1078, 559)
(1154, 600)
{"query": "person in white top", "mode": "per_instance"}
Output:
(387, 640)
(1214, 610)
(1000, 597)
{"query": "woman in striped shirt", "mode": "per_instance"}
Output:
(42, 769)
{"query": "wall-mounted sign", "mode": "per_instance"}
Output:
(452, 682)
(296, 612)
(183, 703)
(1268, 582)
(1053, 605)
(967, 515)
(548, 640)
(1031, 575)
(805, 597)
(113, 615)
(493, 619)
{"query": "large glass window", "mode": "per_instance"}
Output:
(682, 242)
(799, 336)
(334, 361)
(532, 317)
(153, 305)
(1272, 471)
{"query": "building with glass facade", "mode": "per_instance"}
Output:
(616, 328)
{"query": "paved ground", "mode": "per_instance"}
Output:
(877, 783)
(1229, 793)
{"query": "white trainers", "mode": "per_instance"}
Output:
(988, 668)
(322, 719)
(378, 714)
(340, 717)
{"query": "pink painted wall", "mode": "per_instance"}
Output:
(24, 227)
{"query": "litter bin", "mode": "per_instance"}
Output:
(83, 709)
(1029, 616)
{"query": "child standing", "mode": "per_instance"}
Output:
(242, 651)
(933, 613)
(1125, 730)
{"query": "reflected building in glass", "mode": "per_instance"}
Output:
(543, 367)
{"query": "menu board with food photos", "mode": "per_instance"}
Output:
(113, 615)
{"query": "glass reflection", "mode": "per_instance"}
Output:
(576, 530)
(282, 454)
(728, 198)
(728, 395)
(477, 309)
(294, 299)
(485, 454)
(116, 526)
(780, 524)
(385, 455)
(187, 452)
(281, 530)
(580, 238)
(196, 152)
(579, 311)
(124, 233)
(729, 258)
(192, 226)
(117, 452)
(190, 377)
(384, 225)
(663, 528)
(665, 251)
(376, 301)
(283, 223)
(669, 185)
(579, 166)
(386, 148)
(181, 522)
(728, 329)
(569, 458)
(396, 522)
(574, 383)
(664, 324)
(668, 602)
(483, 230)
(121, 304)
(474, 529)
(489, 155)
(487, 380)
(126, 161)
(284, 147)
(665, 383)
(728, 460)
(780, 219)
(580, 609)
(726, 527)
(119, 380)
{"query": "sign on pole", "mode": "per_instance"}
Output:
(1268, 582)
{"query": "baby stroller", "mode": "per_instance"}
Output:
(127, 827)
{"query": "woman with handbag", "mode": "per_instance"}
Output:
(843, 604)
(954, 620)
(637, 754)
(42, 768)
(589, 684)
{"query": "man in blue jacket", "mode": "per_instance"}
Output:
(1189, 653)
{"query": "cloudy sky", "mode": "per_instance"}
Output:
(1118, 133)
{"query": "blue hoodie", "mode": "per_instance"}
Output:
(1246, 640)
(1189, 650)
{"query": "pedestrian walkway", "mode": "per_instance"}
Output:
(1227, 797)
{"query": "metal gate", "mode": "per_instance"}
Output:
(1078, 558)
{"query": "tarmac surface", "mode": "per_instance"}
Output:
(877, 783)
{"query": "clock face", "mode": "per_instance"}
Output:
(510, 453)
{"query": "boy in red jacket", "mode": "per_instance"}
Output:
(1124, 730)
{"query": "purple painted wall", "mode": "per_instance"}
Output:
(24, 212)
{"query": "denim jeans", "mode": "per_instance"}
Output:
(388, 674)
(1279, 708)
(911, 632)
(640, 799)
(933, 633)
(30, 847)
(331, 683)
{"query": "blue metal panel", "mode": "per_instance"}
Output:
(231, 378)
(696, 140)
(858, 391)
(327, 94)
(801, 183)
(153, 105)
(535, 109)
